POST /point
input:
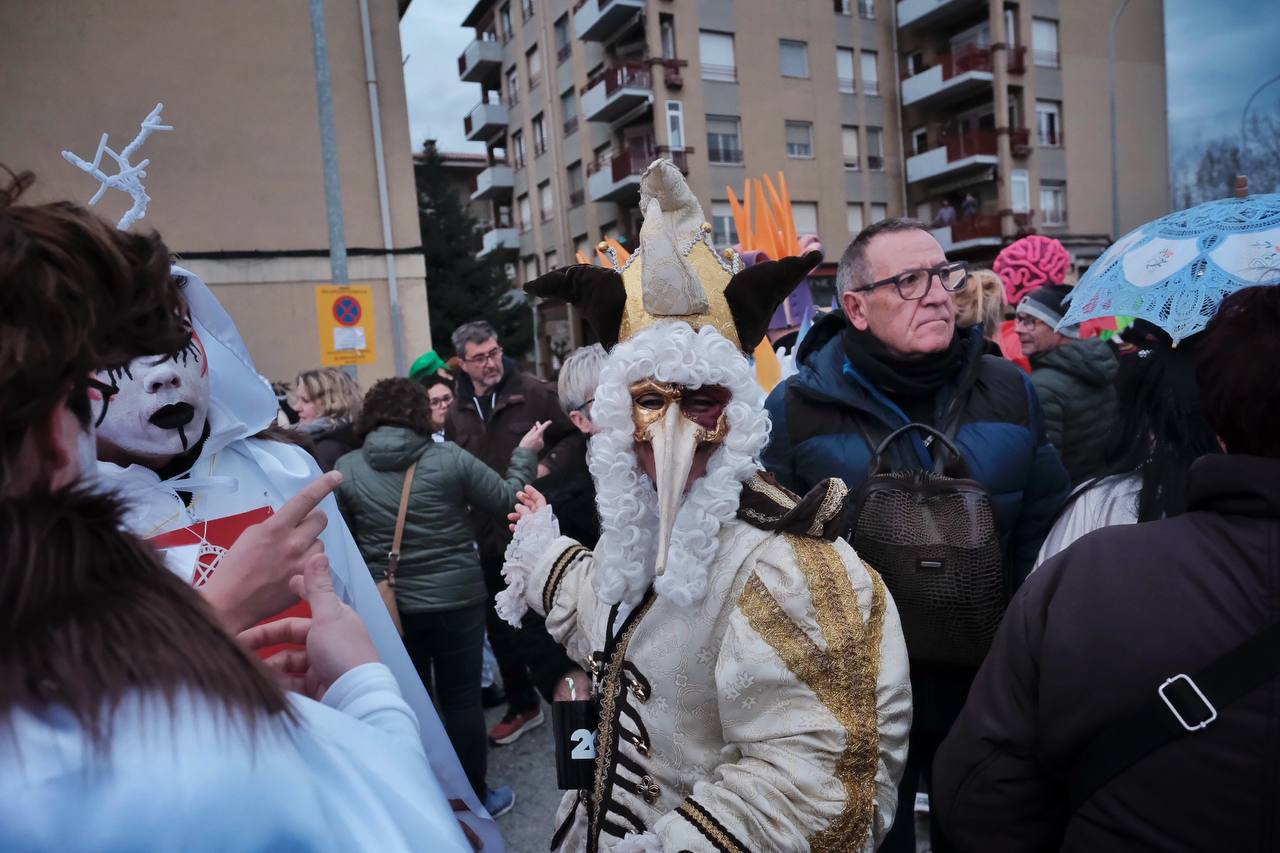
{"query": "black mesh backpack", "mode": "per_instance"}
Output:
(932, 537)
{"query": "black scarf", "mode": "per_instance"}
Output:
(911, 383)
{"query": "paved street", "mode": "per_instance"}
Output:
(528, 765)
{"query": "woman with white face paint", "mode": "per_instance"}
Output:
(182, 445)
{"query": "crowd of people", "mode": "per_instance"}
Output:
(254, 616)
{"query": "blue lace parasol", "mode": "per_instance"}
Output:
(1176, 270)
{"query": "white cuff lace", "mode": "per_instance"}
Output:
(533, 534)
(646, 843)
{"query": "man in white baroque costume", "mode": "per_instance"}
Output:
(749, 669)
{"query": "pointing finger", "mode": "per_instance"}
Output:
(301, 504)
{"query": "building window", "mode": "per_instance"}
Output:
(716, 50)
(569, 110)
(793, 57)
(533, 61)
(867, 9)
(854, 219)
(667, 34)
(919, 140)
(1053, 203)
(564, 45)
(875, 149)
(1020, 190)
(724, 139)
(879, 213)
(849, 139)
(576, 194)
(513, 86)
(525, 214)
(1049, 123)
(1010, 26)
(539, 136)
(724, 230)
(870, 75)
(799, 139)
(582, 251)
(552, 260)
(503, 219)
(842, 6)
(675, 125)
(517, 150)
(526, 8)
(546, 203)
(530, 268)
(805, 214)
(504, 23)
(1044, 42)
(844, 70)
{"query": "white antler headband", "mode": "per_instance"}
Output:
(129, 177)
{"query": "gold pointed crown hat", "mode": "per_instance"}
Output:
(676, 274)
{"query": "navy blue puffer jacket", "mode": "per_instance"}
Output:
(1001, 434)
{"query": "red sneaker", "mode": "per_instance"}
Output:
(515, 724)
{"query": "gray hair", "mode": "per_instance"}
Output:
(855, 269)
(475, 332)
(579, 376)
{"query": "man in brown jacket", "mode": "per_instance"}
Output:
(497, 404)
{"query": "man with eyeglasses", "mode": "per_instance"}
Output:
(893, 355)
(496, 404)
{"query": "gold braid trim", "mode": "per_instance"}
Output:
(705, 823)
(832, 502)
(556, 574)
(843, 676)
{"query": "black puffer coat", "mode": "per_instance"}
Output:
(1090, 636)
(1076, 384)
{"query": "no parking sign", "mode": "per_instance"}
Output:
(346, 325)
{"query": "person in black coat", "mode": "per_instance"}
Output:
(1094, 633)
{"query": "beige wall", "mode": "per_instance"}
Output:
(1141, 110)
(242, 169)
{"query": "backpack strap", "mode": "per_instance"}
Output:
(1181, 706)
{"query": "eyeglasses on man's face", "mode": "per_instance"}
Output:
(494, 355)
(915, 283)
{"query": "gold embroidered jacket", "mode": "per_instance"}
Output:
(771, 716)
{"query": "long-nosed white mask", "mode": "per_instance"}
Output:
(159, 410)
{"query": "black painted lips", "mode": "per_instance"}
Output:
(173, 416)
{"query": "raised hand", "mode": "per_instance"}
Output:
(532, 439)
(252, 579)
(338, 640)
(530, 500)
(288, 666)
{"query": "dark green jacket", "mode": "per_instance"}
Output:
(439, 565)
(1076, 384)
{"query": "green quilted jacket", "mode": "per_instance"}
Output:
(1076, 384)
(439, 565)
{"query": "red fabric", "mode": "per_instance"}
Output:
(1011, 347)
(216, 536)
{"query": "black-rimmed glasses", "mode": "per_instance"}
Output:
(915, 284)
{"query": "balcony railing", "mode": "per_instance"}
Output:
(678, 156)
(623, 75)
(1016, 59)
(975, 226)
(970, 143)
(970, 58)
(725, 155)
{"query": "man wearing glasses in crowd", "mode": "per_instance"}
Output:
(893, 356)
(496, 405)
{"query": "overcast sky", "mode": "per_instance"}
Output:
(1218, 52)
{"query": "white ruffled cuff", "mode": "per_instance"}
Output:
(632, 843)
(534, 533)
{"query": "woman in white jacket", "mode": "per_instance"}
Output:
(129, 720)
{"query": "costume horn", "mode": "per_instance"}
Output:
(595, 291)
(755, 293)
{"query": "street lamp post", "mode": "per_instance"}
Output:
(1115, 143)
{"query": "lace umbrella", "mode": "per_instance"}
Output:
(1176, 270)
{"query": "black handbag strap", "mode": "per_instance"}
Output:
(1181, 706)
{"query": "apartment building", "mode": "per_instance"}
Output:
(576, 99)
(1005, 117)
(871, 108)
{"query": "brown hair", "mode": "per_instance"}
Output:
(91, 615)
(395, 402)
(981, 301)
(1236, 371)
(76, 296)
(332, 390)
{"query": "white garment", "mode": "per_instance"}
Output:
(1112, 501)
(236, 473)
(349, 775)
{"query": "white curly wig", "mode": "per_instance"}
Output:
(669, 351)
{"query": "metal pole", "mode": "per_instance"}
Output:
(1115, 143)
(329, 153)
(380, 163)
